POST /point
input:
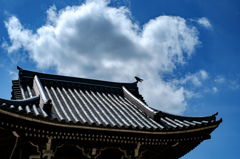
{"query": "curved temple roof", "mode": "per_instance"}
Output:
(78, 101)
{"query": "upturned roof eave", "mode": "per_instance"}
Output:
(191, 118)
(49, 122)
(22, 102)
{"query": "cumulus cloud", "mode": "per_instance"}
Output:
(94, 40)
(204, 22)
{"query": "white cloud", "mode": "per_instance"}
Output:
(204, 22)
(14, 75)
(215, 89)
(97, 41)
(234, 84)
(196, 79)
(164, 96)
(19, 36)
(219, 79)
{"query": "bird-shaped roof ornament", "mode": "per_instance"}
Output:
(138, 79)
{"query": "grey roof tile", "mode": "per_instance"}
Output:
(80, 101)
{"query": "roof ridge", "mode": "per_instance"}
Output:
(140, 104)
(62, 78)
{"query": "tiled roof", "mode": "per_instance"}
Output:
(79, 101)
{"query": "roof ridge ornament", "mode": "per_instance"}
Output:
(138, 79)
(19, 68)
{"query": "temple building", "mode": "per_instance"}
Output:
(60, 117)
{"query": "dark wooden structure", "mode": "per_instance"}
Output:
(51, 116)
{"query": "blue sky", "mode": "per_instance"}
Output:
(186, 51)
